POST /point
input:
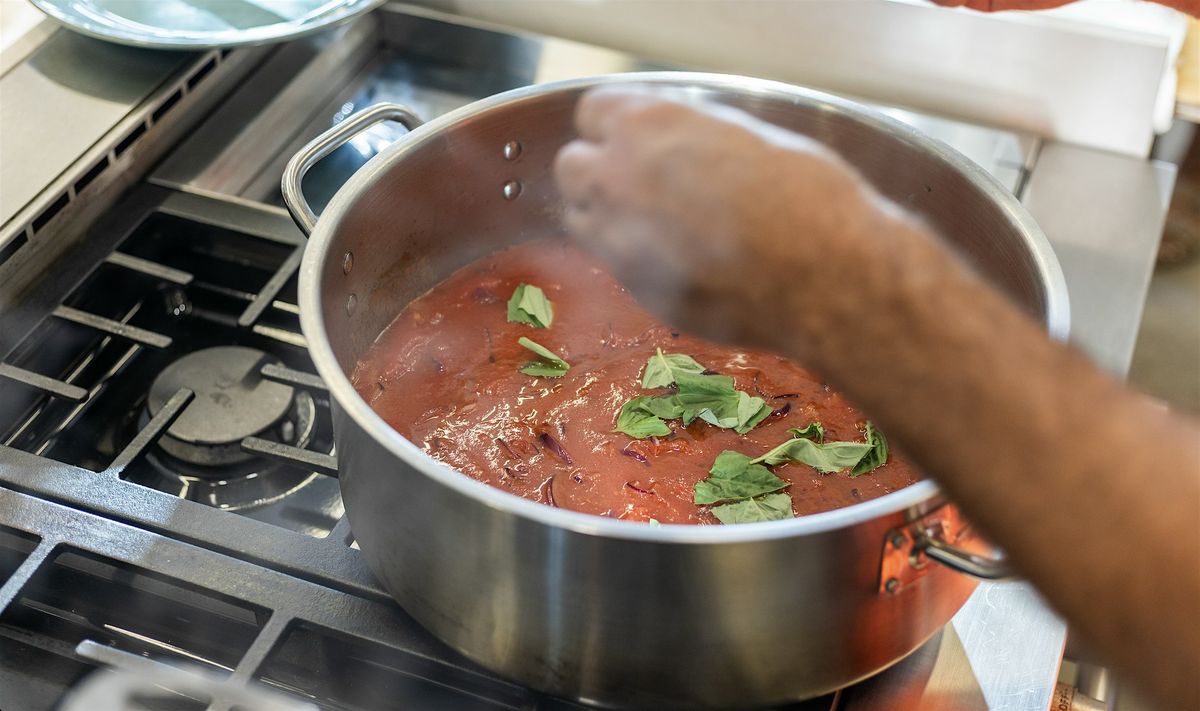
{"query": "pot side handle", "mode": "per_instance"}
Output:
(935, 536)
(964, 561)
(328, 142)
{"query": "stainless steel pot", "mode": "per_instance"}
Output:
(603, 610)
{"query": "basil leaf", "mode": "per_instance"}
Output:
(713, 399)
(826, 458)
(772, 507)
(550, 365)
(644, 416)
(529, 304)
(714, 419)
(667, 407)
(638, 422)
(709, 397)
(661, 369)
(694, 387)
(813, 430)
(750, 412)
(875, 458)
(734, 476)
(544, 370)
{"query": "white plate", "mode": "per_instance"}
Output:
(201, 24)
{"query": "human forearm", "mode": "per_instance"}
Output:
(1045, 453)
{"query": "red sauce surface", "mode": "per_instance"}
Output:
(445, 375)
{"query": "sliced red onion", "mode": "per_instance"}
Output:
(555, 448)
(547, 489)
(634, 454)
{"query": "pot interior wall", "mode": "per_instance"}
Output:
(438, 202)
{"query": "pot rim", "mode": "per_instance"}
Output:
(313, 323)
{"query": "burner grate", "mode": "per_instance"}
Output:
(77, 595)
(126, 596)
(177, 299)
(15, 547)
(123, 596)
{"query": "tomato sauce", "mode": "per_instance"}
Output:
(445, 375)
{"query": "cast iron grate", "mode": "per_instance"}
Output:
(76, 595)
(96, 593)
(154, 369)
(15, 547)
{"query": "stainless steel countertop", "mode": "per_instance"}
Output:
(1102, 212)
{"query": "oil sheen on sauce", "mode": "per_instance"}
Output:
(445, 375)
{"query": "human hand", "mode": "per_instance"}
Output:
(706, 213)
(1001, 5)
(1191, 7)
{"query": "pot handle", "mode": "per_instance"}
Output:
(964, 561)
(908, 550)
(328, 142)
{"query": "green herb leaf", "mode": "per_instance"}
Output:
(544, 370)
(733, 477)
(809, 448)
(826, 458)
(772, 507)
(751, 411)
(666, 407)
(644, 416)
(661, 369)
(529, 304)
(875, 458)
(813, 430)
(550, 364)
(713, 399)
(717, 421)
(697, 389)
(639, 422)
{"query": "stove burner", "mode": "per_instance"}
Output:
(200, 456)
(233, 401)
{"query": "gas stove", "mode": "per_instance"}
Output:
(169, 507)
(168, 366)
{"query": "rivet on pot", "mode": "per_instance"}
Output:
(347, 262)
(350, 304)
(892, 585)
(897, 539)
(512, 150)
(512, 189)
